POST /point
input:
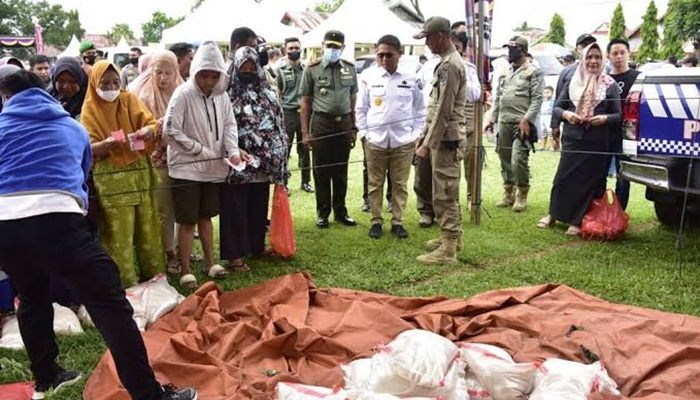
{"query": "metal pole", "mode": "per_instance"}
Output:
(477, 161)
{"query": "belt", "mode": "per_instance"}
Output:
(334, 117)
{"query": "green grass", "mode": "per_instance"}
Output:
(507, 250)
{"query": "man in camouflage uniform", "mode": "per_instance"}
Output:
(515, 110)
(444, 140)
(328, 96)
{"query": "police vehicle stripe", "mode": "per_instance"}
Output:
(673, 101)
(653, 101)
(691, 94)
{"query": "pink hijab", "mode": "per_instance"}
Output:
(146, 87)
(587, 90)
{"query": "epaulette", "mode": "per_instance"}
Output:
(347, 62)
(315, 63)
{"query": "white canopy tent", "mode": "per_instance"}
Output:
(215, 20)
(73, 49)
(363, 22)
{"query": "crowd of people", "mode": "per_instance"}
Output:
(109, 173)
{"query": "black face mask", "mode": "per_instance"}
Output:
(294, 55)
(264, 58)
(247, 77)
(134, 60)
(89, 60)
(514, 54)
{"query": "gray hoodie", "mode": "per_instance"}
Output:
(201, 131)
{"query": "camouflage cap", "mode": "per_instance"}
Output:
(433, 25)
(520, 41)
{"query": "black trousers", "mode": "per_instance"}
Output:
(292, 122)
(243, 219)
(365, 178)
(331, 153)
(33, 250)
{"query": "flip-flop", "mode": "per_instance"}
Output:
(573, 231)
(216, 271)
(239, 268)
(189, 281)
(173, 267)
(546, 222)
(196, 258)
(268, 252)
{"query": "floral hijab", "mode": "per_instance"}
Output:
(587, 90)
(258, 114)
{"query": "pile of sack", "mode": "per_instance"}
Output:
(150, 300)
(422, 365)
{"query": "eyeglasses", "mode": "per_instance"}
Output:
(385, 55)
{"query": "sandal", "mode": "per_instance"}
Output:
(216, 271)
(173, 267)
(268, 252)
(189, 281)
(239, 268)
(546, 222)
(573, 231)
(196, 258)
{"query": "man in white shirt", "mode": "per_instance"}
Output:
(391, 113)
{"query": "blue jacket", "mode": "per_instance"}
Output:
(42, 149)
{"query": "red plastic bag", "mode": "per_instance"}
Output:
(605, 220)
(282, 225)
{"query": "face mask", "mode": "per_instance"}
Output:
(90, 60)
(108, 95)
(134, 61)
(294, 55)
(514, 54)
(247, 77)
(331, 55)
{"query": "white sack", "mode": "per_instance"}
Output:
(64, 322)
(503, 379)
(568, 380)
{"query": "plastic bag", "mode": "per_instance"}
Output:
(296, 391)
(64, 322)
(605, 220)
(568, 380)
(281, 225)
(503, 379)
(17, 391)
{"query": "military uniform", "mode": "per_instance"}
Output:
(446, 137)
(289, 82)
(129, 74)
(519, 97)
(331, 87)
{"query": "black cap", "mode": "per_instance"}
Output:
(334, 37)
(586, 38)
(569, 58)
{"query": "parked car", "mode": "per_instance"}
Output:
(662, 137)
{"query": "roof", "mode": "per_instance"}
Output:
(306, 20)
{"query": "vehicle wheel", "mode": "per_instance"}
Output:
(670, 214)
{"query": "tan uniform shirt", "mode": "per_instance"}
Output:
(446, 120)
(519, 95)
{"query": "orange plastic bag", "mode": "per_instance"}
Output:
(605, 220)
(17, 391)
(281, 225)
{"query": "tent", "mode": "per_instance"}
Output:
(216, 19)
(363, 22)
(73, 49)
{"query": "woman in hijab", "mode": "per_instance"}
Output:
(154, 87)
(261, 135)
(589, 105)
(69, 85)
(119, 125)
(7, 69)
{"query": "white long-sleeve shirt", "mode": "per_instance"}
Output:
(390, 108)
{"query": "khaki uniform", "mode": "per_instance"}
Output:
(331, 86)
(445, 136)
(519, 97)
(289, 85)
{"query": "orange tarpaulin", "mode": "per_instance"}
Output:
(238, 345)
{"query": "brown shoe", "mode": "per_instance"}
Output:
(508, 197)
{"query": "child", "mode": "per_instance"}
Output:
(546, 117)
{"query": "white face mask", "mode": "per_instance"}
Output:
(108, 95)
(332, 55)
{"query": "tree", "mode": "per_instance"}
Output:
(328, 6)
(59, 25)
(650, 35)
(119, 31)
(524, 27)
(672, 44)
(617, 24)
(196, 5)
(689, 22)
(153, 29)
(557, 32)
